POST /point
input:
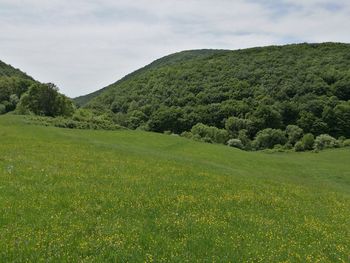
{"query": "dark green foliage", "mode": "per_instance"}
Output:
(13, 83)
(342, 87)
(234, 125)
(342, 119)
(267, 117)
(252, 89)
(269, 137)
(45, 100)
(166, 119)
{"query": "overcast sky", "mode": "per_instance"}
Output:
(84, 45)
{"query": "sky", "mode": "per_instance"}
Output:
(85, 45)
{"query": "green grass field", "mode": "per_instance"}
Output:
(97, 196)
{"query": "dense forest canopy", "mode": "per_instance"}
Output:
(13, 83)
(306, 85)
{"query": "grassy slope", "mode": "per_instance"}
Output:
(75, 195)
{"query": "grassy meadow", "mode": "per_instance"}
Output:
(131, 196)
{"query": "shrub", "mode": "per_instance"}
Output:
(299, 146)
(342, 138)
(2, 109)
(196, 137)
(294, 133)
(324, 141)
(244, 138)
(186, 134)
(288, 146)
(70, 123)
(308, 141)
(278, 148)
(207, 139)
(236, 143)
(83, 115)
(268, 138)
(346, 143)
(216, 135)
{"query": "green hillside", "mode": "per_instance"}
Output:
(9, 71)
(166, 61)
(131, 196)
(13, 83)
(271, 87)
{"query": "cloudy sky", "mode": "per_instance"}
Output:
(84, 45)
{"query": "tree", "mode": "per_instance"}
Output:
(269, 117)
(167, 119)
(342, 119)
(342, 88)
(234, 125)
(135, 119)
(310, 123)
(44, 99)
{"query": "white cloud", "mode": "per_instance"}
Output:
(83, 45)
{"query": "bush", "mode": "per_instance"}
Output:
(70, 123)
(187, 135)
(342, 138)
(2, 109)
(207, 139)
(278, 148)
(346, 143)
(268, 138)
(209, 132)
(236, 143)
(308, 141)
(299, 147)
(294, 133)
(324, 141)
(244, 138)
(83, 115)
(288, 146)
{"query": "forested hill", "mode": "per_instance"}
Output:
(268, 87)
(13, 84)
(9, 71)
(169, 60)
